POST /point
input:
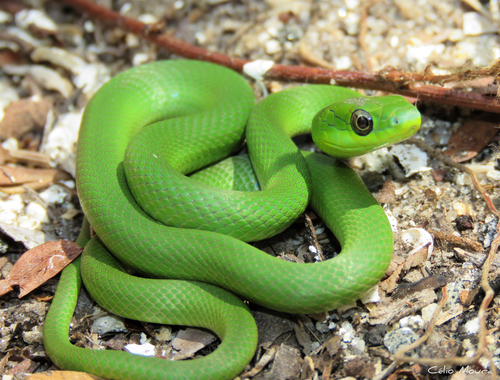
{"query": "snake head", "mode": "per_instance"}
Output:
(363, 124)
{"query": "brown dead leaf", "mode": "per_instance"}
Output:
(22, 116)
(38, 265)
(472, 137)
(334, 345)
(14, 179)
(63, 375)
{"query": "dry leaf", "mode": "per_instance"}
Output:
(63, 375)
(38, 265)
(22, 116)
(472, 137)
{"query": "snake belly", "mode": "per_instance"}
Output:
(141, 134)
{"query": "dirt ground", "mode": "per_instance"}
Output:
(53, 58)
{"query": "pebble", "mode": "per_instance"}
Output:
(472, 326)
(109, 323)
(358, 345)
(347, 332)
(397, 339)
(414, 322)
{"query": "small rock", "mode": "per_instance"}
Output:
(472, 326)
(395, 340)
(347, 332)
(322, 328)
(109, 323)
(358, 346)
(414, 322)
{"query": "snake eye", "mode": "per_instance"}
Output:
(361, 122)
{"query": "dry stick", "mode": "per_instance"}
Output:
(460, 76)
(399, 357)
(388, 80)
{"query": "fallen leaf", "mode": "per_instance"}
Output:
(38, 265)
(472, 137)
(63, 375)
(431, 282)
(22, 116)
(263, 361)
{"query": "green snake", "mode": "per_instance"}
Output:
(150, 126)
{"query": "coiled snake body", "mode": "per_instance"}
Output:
(147, 128)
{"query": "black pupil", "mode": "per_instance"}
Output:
(363, 122)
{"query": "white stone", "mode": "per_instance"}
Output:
(475, 24)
